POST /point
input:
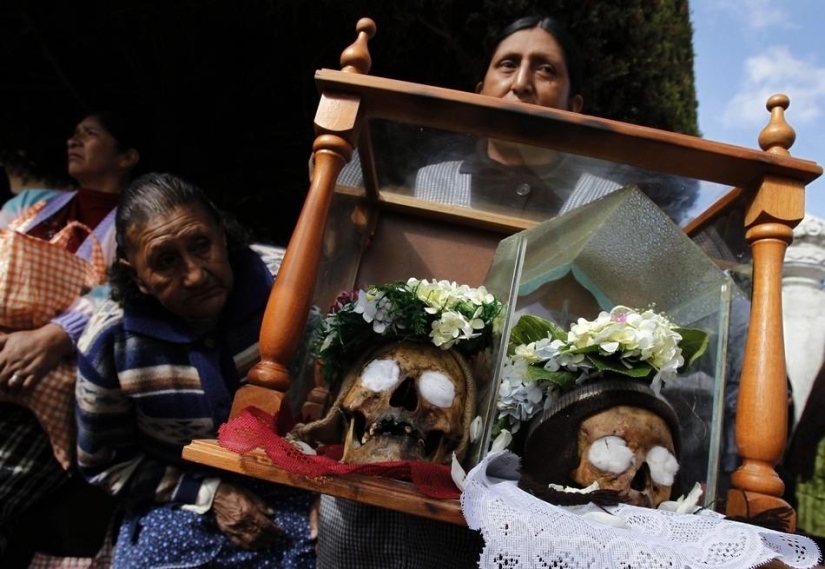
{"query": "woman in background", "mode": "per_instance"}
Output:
(102, 155)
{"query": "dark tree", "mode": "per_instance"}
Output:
(226, 89)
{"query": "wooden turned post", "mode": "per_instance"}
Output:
(762, 410)
(356, 58)
(336, 128)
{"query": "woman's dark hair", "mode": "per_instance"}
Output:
(125, 129)
(129, 132)
(154, 195)
(36, 163)
(572, 57)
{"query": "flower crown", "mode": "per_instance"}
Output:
(543, 360)
(447, 314)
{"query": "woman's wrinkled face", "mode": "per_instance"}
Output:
(529, 66)
(92, 151)
(181, 260)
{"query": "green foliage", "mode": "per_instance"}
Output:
(638, 54)
(227, 87)
(531, 328)
(694, 344)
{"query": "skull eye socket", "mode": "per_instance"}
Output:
(380, 375)
(610, 454)
(663, 465)
(437, 388)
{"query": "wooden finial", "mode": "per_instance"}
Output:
(356, 58)
(778, 136)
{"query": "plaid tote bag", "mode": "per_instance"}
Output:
(39, 280)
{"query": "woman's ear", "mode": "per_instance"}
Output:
(576, 103)
(129, 159)
(127, 266)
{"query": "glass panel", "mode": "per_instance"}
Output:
(457, 170)
(623, 250)
(434, 186)
(441, 168)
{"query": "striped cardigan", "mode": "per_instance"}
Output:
(147, 386)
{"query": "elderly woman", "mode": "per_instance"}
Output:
(102, 154)
(158, 367)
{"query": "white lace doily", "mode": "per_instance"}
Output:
(521, 531)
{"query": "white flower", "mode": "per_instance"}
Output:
(527, 352)
(623, 337)
(685, 504)
(502, 441)
(444, 311)
(633, 336)
(475, 428)
(477, 296)
(451, 327)
(375, 308)
(457, 473)
(367, 305)
(435, 295)
(518, 399)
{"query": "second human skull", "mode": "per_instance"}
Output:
(630, 450)
(409, 401)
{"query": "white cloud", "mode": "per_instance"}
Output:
(776, 70)
(757, 14)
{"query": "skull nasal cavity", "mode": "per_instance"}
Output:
(642, 479)
(405, 395)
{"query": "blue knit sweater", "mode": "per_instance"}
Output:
(148, 385)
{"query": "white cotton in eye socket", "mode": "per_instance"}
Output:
(380, 375)
(663, 465)
(436, 388)
(610, 454)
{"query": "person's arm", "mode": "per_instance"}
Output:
(31, 354)
(109, 452)
(74, 319)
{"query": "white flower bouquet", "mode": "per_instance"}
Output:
(543, 359)
(442, 312)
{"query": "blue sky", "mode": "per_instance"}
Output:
(747, 50)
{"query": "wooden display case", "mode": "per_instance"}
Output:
(742, 208)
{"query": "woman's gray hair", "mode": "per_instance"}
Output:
(156, 195)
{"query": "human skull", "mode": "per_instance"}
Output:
(409, 401)
(630, 450)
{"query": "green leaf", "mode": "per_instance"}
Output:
(586, 350)
(694, 344)
(561, 378)
(531, 328)
(639, 369)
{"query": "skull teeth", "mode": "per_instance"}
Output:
(365, 438)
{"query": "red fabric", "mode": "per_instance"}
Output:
(254, 428)
(89, 207)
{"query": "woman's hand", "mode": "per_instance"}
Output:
(244, 517)
(27, 356)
